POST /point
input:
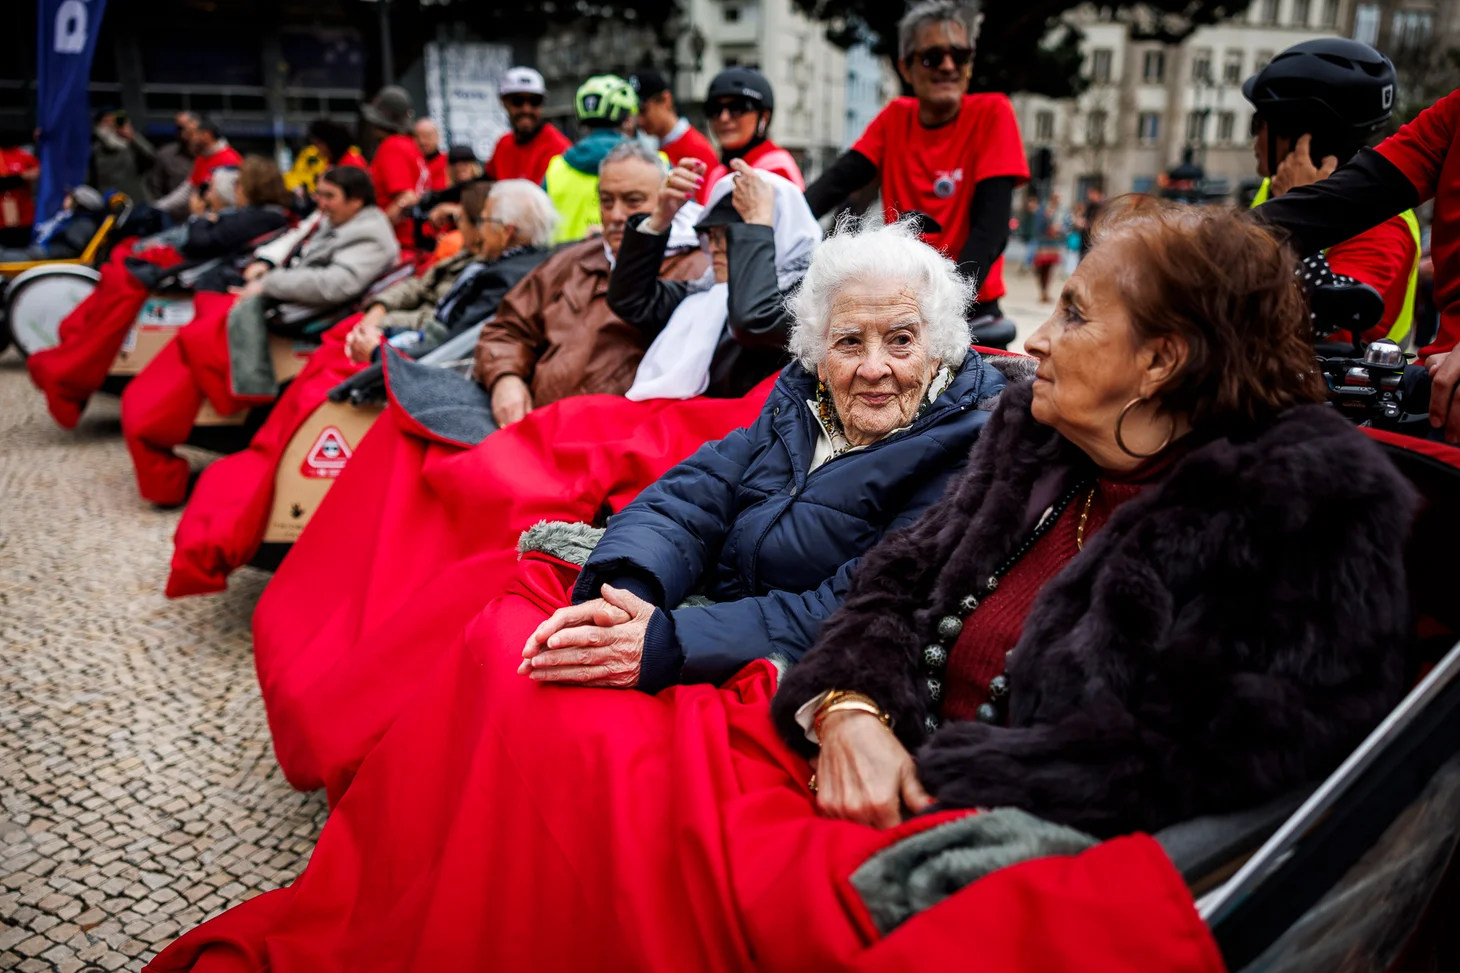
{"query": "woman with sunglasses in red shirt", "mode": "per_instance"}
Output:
(955, 156)
(739, 105)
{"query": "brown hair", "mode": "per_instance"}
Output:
(474, 200)
(1216, 279)
(261, 183)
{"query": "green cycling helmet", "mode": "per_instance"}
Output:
(605, 98)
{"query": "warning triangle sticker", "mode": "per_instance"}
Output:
(328, 456)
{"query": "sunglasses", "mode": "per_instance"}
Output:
(737, 107)
(523, 101)
(1255, 129)
(932, 57)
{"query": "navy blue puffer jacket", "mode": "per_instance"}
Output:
(743, 523)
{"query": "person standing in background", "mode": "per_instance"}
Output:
(524, 152)
(119, 155)
(172, 166)
(659, 117)
(19, 171)
(398, 170)
(428, 140)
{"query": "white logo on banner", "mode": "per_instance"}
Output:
(461, 93)
(71, 18)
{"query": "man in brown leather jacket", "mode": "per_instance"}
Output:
(553, 335)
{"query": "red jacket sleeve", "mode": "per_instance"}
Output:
(1418, 149)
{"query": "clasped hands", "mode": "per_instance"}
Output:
(598, 643)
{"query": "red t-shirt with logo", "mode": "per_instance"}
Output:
(526, 160)
(436, 166)
(934, 170)
(17, 206)
(691, 145)
(399, 167)
(204, 165)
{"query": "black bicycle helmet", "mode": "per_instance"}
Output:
(742, 83)
(1332, 85)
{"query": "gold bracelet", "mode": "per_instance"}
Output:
(848, 702)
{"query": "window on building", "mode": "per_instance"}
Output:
(1261, 60)
(1232, 68)
(1148, 127)
(1267, 13)
(1226, 127)
(1153, 71)
(1095, 127)
(1044, 126)
(732, 14)
(1412, 29)
(1201, 65)
(1301, 10)
(1100, 59)
(1330, 14)
(1196, 126)
(1366, 23)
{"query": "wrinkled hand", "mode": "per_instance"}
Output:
(363, 339)
(864, 773)
(445, 214)
(511, 400)
(253, 288)
(1298, 169)
(753, 197)
(680, 186)
(255, 270)
(598, 643)
(1444, 372)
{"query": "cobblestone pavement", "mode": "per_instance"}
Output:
(138, 791)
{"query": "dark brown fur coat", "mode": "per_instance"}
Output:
(1231, 632)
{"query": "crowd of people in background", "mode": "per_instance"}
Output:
(1062, 582)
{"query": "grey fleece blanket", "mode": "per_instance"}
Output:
(452, 408)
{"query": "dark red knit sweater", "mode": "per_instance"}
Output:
(994, 628)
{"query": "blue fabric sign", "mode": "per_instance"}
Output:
(66, 35)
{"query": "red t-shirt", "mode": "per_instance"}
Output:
(1382, 258)
(204, 165)
(1421, 150)
(399, 167)
(691, 145)
(526, 160)
(768, 156)
(934, 170)
(440, 176)
(17, 205)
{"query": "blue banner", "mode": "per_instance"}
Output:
(66, 35)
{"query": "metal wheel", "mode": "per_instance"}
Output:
(37, 301)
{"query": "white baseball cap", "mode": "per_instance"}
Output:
(522, 81)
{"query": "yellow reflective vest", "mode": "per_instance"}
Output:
(1399, 330)
(575, 197)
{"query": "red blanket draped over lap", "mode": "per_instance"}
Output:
(410, 543)
(506, 825)
(226, 516)
(160, 404)
(93, 334)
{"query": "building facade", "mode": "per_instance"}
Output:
(1149, 106)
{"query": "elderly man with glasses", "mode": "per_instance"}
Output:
(955, 156)
(524, 152)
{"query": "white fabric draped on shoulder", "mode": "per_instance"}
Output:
(677, 364)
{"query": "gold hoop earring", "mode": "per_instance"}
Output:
(1120, 440)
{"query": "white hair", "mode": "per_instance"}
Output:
(895, 253)
(523, 204)
(633, 149)
(936, 12)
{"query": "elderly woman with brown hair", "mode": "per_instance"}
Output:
(1170, 583)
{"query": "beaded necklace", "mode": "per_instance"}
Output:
(950, 626)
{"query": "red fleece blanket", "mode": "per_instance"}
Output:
(93, 334)
(160, 404)
(226, 516)
(506, 825)
(404, 549)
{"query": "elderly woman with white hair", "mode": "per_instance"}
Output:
(517, 799)
(506, 231)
